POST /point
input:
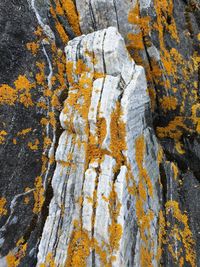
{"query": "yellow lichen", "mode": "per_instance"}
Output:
(49, 261)
(69, 8)
(2, 136)
(8, 95)
(173, 129)
(182, 233)
(34, 145)
(79, 249)
(168, 103)
(23, 87)
(179, 148)
(33, 47)
(140, 152)
(13, 259)
(3, 210)
(118, 135)
(63, 35)
(24, 132)
(175, 170)
(144, 218)
(115, 229)
(38, 195)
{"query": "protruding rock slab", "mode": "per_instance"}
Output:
(105, 207)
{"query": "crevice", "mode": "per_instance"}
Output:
(115, 7)
(92, 16)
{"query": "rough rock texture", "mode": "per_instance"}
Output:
(106, 179)
(163, 37)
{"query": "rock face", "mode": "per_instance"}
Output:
(115, 180)
(105, 183)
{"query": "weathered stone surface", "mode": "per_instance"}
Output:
(105, 155)
(28, 127)
(163, 37)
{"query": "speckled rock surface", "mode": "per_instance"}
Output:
(161, 36)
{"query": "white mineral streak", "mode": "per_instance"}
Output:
(83, 187)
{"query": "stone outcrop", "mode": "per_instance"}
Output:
(116, 178)
(106, 191)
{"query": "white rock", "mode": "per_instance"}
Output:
(90, 183)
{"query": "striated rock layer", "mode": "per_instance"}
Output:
(105, 206)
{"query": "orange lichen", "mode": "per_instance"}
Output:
(169, 103)
(23, 87)
(140, 152)
(14, 141)
(26, 200)
(52, 119)
(144, 218)
(79, 249)
(179, 148)
(40, 76)
(115, 229)
(63, 35)
(115, 232)
(13, 259)
(10, 260)
(47, 142)
(23, 83)
(173, 129)
(49, 261)
(8, 95)
(72, 16)
(142, 23)
(135, 40)
(2, 136)
(118, 136)
(38, 195)
(3, 210)
(195, 117)
(161, 234)
(24, 132)
(34, 146)
(42, 105)
(33, 47)
(175, 170)
(182, 233)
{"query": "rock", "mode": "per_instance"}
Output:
(106, 179)
(162, 37)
